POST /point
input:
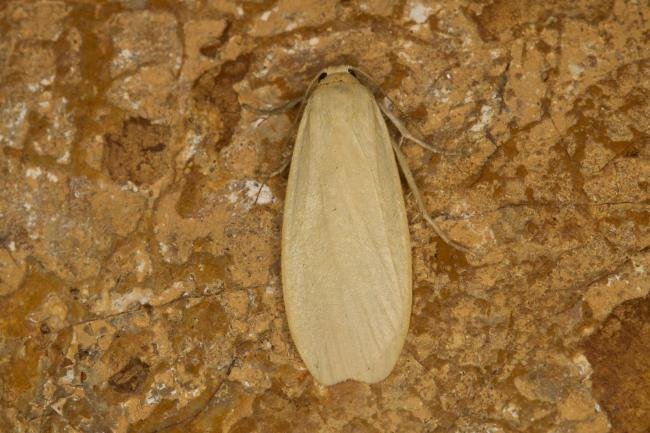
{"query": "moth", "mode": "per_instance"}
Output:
(346, 252)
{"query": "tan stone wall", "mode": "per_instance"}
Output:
(139, 237)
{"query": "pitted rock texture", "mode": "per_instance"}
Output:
(140, 234)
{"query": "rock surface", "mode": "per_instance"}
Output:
(139, 235)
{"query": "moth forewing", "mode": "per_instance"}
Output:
(346, 256)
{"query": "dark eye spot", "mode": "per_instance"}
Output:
(321, 76)
(351, 71)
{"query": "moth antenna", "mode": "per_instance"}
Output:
(301, 100)
(403, 164)
(275, 110)
(365, 79)
(405, 133)
(403, 130)
(280, 170)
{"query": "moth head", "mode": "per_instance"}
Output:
(336, 73)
